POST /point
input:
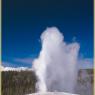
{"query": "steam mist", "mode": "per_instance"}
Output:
(55, 67)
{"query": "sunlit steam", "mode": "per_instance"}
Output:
(55, 67)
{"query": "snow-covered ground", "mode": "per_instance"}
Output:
(15, 69)
(53, 93)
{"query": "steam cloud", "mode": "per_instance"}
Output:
(56, 67)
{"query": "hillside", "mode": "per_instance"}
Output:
(23, 82)
(18, 83)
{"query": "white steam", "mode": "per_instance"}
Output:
(55, 67)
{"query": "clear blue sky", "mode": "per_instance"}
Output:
(23, 21)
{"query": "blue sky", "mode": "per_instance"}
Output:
(23, 21)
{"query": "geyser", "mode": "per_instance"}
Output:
(56, 66)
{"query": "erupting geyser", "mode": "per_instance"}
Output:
(55, 67)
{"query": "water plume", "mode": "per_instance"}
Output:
(56, 66)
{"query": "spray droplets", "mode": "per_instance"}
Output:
(55, 67)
